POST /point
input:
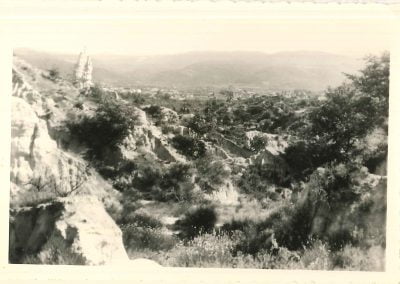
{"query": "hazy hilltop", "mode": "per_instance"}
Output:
(285, 70)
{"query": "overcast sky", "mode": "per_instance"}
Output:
(166, 36)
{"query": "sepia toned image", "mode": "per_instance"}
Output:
(207, 143)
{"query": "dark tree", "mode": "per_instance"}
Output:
(189, 146)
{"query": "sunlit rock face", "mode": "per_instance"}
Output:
(146, 138)
(34, 154)
(275, 144)
(79, 225)
(41, 218)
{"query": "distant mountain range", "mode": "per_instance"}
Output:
(278, 71)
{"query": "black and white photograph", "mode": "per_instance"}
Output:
(197, 142)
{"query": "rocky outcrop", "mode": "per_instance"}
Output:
(146, 138)
(42, 172)
(75, 227)
(34, 155)
(230, 146)
(275, 144)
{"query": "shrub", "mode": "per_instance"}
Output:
(199, 221)
(146, 179)
(189, 146)
(55, 251)
(237, 225)
(96, 93)
(259, 178)
(257, 144)
(149, 180)
(154, 111)
(201, 124)
(174, 183)
(215, 250)
(207, 250)
(302, 159)
(211, 173)
(54, 74)
(253, 241)
(105, 130)
(140, 220)
(328, 210)
(45, 186)
(355, 258)
(139, 238)
(317, 257)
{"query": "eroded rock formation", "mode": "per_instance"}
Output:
(43, 221)
(83, 71)
(75, 227)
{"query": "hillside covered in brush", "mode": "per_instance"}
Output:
(262, 181)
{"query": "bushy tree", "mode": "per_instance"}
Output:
(211, 173)
(374, 81)
(174, 183)
(258, 179)
(199, 221)
(154, 111)
(257, 144)
(348, 114)
(200, 125)
(105, 130)
(54, 74)
(189, 146)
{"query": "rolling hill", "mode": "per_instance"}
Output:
(281, 71)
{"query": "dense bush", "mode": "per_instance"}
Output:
(154, 111)
(355, 258)
(56, 251)
(211, 173)
(105, 130)
(176, 184)
(189, 146)
(140, 238)
(333, 207)
(257, 144)
(199, 221)
(259, 180)
(374, 82)
(335, 128)
(153, 182)
(139, 220)
(302, 158)
(53, 74)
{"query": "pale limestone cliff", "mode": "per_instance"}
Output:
(83, 71)
(77, 224)
(41, 173)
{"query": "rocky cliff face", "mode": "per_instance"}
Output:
(41, 172)
(146, 138)
(78, 225)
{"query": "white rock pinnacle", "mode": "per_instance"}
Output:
(83, 71)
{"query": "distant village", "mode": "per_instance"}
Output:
(83, 79)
